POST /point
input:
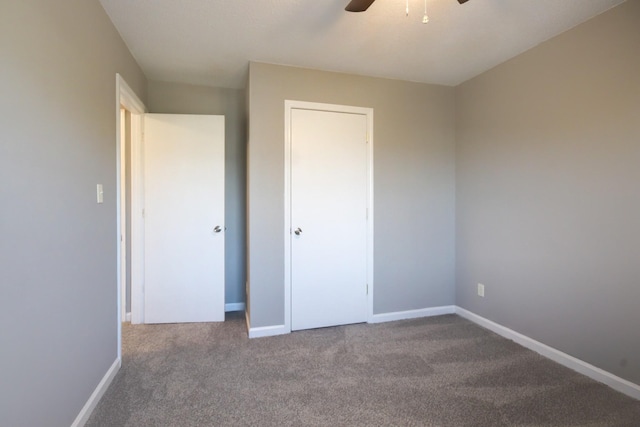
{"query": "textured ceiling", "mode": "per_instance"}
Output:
(210, 42)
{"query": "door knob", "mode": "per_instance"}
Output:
(298, 231)
(217, 229)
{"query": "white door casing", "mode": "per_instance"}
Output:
(183, 218)
(329, 215)
(127, 99)
(122, 197)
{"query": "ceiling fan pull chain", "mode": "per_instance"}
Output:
(407, 7)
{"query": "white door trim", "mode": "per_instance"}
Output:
(127, 98)
(290, 105)
(122, 199)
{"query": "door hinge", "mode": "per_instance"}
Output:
(142, 213)
(367, 289)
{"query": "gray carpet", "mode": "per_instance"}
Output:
(439, 371)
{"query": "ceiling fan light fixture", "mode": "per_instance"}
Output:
(425, 18)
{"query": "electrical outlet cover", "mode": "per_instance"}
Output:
(480, 289)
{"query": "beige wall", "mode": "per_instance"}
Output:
(548, 206)
(58, 248)
(176, 98)
(413, 181)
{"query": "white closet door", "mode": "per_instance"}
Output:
(328, 216)
(184, 218)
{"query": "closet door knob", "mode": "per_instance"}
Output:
(217, 229)
(298, 231)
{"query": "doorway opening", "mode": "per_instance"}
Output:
(125, 214)
(129, 111)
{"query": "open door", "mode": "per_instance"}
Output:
(183, 218)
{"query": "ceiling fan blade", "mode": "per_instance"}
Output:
(462, 1)
(359, 5)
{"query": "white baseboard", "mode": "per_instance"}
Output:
(234, 306)
(412, 314)
(95, 397)
(267, 331)
(593, 372)
(264, 331)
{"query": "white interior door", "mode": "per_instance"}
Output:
(328, 218)
(183, 218)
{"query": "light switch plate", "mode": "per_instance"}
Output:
(100, 193)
